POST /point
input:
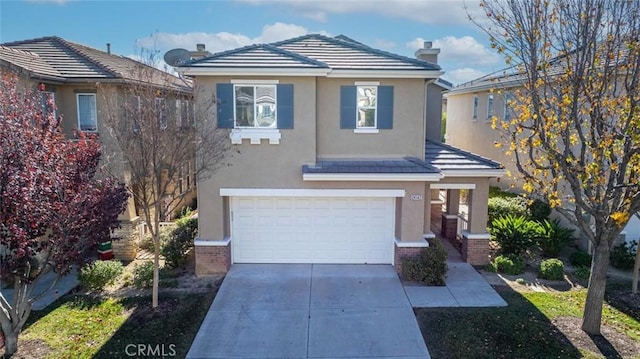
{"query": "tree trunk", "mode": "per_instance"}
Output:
(592, 317)
(636, 268)
(156, 272)
(10, 343)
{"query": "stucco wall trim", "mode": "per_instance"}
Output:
(451, 186)
(212, 243)
(411, 244)
(299, 192)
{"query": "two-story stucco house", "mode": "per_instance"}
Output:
(81, 81)
(338, 157)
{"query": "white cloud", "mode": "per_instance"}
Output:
(216, 42)
(464, 50)
(429, 12)
(463, 75)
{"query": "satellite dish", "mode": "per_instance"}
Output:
(176, 57)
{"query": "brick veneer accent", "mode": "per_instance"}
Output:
(436, 212)
(212, 260)
(126, 248)
(475, 251)
(449, 227)
(401, 252)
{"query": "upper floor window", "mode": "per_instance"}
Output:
(490, 107)
(183, 113)
(48, 101)
(161, 112)
(508, 110)
(475, 107)
(254, 109)
(87, 113)
(255, 106)
(366, 107)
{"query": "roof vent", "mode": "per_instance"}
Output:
(428, 44)
(200, 47)
(108, 48)
(428, 53)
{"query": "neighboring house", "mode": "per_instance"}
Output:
(79, 77)
(470, 107)
(337, 157)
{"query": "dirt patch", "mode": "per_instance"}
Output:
(625, 301)
(31, 349)
(146, 313)
(611, 344)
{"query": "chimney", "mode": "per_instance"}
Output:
(428, 53)
(108, 48)
(200, 52)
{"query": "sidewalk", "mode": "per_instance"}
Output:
(64, 286)
(465, 287)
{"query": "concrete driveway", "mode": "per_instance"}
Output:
(310, 311)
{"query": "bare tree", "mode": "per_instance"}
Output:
(159, 135)
(575, 134)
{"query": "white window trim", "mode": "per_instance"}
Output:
(490, 107)
(161, 112)
(507, 109)
(375, 108)
(367, 83)
(95, 101)
(366, 130)
(255, 135)
(254, 82)
(255, 110)
(304, 192)
(44, 95)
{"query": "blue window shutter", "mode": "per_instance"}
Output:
(385, 107)
(224, 97)
(285, 106)
(348, 107)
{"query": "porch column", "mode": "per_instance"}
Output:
(426, 230)
(475, 241)
(450, 218)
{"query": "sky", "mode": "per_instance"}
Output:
(398, 26)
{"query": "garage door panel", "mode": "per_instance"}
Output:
(312, 230)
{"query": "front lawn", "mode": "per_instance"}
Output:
(83, 326)
(534, 325)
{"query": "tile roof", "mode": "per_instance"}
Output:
(405, 165)
(29, 61)
(263, 55)
(72, 61)
(313, 51)
(448, 158)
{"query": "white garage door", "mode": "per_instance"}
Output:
(312, 230)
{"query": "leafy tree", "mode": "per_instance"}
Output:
(575, 133)
(159, 133)
(52, 207)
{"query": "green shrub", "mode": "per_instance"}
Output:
(143, 275)
(552, 269)
(509, 264)
(553, 237)
(623, 256)
(429, 267)
(179, 241)
(499, 192)
(147, 240)
(539, 210)
(521, 281)
(580, 259)
(514, 234)
(582, 272)
(504, 206)
(99, 274)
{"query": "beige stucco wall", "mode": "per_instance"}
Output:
(405, 139)
(476, 135)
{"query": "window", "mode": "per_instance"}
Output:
(255, 106)
(508, 110)
(178, 114)
(188, 176)
(367, 105)
(183, 113)
(87, 114)
(161, 112)
(181, 180)
(490, 111)
(254, 110)
(48, 101)
(475, 107)
(135, 109)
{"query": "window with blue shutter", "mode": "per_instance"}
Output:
(285, 106)
(225, 103)
(366, 107)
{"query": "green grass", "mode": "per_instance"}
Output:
(521, 330)
(84, 327)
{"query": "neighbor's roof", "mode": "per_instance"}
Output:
(68, 61)
(312, 52)
(452, 160)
